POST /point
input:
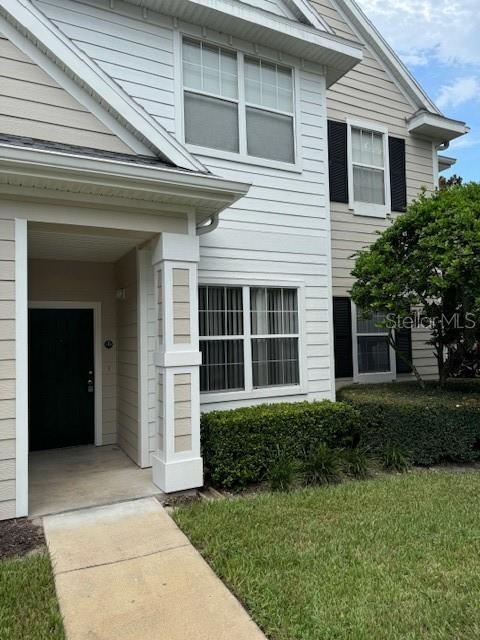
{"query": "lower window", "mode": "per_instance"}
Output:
(372, 344)
(249, 338)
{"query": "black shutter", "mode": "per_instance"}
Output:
(337, 161)
(398, 176)
(403, 339)
(342, 335)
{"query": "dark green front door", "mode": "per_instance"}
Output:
(61, 384)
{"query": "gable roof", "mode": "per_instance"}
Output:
(27, 19)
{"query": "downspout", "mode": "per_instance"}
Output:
(210, 225)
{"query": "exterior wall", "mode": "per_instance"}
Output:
(279, 232)
(33, 104)
(127, 357)
(7, 367)
(368, 92)
(51, 280)
(183, 412)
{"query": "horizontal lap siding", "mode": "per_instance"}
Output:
(137, 54)
(7, 367)
(33, 104)
(127, 357)
(368, 92)
(279, 233)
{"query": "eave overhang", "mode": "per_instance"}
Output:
(338, 55)
(436, 127)
(445, 162)
(158, 187)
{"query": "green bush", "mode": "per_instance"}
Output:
(356, 463)
(322, 465)
(240, 445)
(432, 424)
(281, 473)
(395, 458)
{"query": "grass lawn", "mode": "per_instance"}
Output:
(28, 604)
(396, 557)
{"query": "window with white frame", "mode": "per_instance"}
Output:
(237, 103)
(373, 349)
(249, 338)
(369, 185)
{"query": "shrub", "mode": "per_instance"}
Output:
(239, 445)
(356, 462)
(395, 458)
(432, 424)
(281, 473)
(322, 465)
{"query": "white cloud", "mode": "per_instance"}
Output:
(445, 30)
(458, 92)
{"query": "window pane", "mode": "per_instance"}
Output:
(191, 51)
(192, 76)
(368, 185)
(273, 311)
(220, 311)
(373, 354)
(367, 147)
(275, 362)
(268, 85)
(222, 365)
(270, 135)
(210, 122)
(209, 68)
(369, 325)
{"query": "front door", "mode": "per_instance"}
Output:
(61, 384)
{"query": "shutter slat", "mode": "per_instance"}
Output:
(403, 339)
(398, 173)
(342, 335)
(337, 161)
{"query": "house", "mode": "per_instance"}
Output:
(168, 242)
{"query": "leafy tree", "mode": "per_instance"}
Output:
(452, 181)
(430, 258)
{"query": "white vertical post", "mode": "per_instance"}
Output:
(177, 465)
(21, 367)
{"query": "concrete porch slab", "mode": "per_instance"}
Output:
(78, 477)
(126, 571)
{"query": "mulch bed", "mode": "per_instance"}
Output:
(19, 537)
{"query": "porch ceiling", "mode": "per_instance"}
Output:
(82, 245)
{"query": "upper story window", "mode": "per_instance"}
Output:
(237, 103)
(369, 184)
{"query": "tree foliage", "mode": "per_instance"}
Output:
(429, 258)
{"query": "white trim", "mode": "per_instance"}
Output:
(250, 392)
(436, 166)
(144, 262)
(84, 70)
(241, 156)
(21, 368)
(97, 342)
(84, 98)
(366, 208)
(436, 127)
(308, 12)
(369, 378)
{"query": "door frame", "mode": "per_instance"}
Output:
(97, 351)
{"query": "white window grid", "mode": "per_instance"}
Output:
(241, 101)
(370, 376)
(247, 336)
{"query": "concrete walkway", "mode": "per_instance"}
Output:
(127, 572)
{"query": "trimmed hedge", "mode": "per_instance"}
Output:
(433, 425)
(239, 445)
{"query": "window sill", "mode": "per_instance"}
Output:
(266, 392)
(244, 159)
(372, 378)
(369, 210)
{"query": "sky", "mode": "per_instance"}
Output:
(439, 41)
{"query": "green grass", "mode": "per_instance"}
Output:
(28, 604)
(397, 557)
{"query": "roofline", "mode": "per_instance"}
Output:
(394, 63)
(445, 162)
(26, 17)
(105, 172)
(310, 14)
(436, 126)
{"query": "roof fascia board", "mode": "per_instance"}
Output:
(83, 97)
(394, 64)
(445, 129)
(29, 18)
(106, 172)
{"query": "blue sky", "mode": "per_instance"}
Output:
(439, 41)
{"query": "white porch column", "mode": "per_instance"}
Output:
(177, 464)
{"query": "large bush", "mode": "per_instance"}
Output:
(240, 445)
(432, 424)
